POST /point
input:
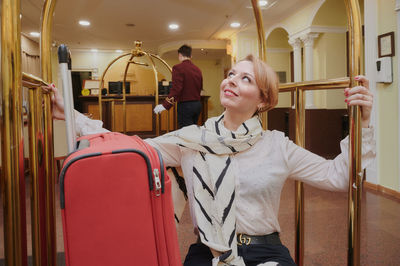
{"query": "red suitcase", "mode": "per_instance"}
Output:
(116, 204)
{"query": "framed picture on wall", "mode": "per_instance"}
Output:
(386, 44)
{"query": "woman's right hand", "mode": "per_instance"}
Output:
(57, 103)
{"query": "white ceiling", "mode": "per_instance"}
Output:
(198, 20)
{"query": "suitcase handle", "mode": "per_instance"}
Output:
(101, 136)
(82, 144)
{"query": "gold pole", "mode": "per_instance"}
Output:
(299, 190)
(12, 174)
(355, 173)
(35, 125)
(123, 93)
(49, 176)
(156, 94)
(102, 85)
(170, 70)
(262, 46)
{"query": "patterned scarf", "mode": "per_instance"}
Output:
(214, 180)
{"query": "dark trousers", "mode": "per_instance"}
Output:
(188, 113)
(200, 255)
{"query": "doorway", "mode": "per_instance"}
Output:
(77, 82)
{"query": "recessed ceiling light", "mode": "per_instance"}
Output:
(235, 24)
(173, 26)
(94, 50)
(84, 22)
(34, 34)
(262, 3)
(118, 51)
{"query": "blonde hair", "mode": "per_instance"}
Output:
(267, 82)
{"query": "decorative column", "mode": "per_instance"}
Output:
(308, 41)
(296, 44)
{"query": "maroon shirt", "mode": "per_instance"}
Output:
(187, 83)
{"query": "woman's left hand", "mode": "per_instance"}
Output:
(57, 102)
(361, 96)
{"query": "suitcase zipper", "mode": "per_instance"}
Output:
(157, 182)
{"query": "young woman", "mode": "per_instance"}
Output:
(234, 170)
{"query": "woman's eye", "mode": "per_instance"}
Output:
(230, 74)
(246, 78)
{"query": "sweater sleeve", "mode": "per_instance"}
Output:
(170, 152)
(327, 174)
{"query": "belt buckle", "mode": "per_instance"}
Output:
(244, 240)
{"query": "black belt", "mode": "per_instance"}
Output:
(272, 239)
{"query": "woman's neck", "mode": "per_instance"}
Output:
(232, 121)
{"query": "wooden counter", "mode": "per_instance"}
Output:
(140, 119)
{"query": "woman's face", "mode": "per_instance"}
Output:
(239, 91)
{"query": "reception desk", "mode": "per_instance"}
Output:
(140, 119)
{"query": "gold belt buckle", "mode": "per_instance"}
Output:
(244, 240)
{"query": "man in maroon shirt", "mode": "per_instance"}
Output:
(187, 83)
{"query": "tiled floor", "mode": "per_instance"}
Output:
(325, 228)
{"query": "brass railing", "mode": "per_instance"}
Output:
(41, 130)
(12, 174)
(299, 89)
(355, 174)
(41, 155)
(41, 199)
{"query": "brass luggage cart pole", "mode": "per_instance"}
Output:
(49, 182)
(12, 174)
(102, 86)
(262, 46)
(300, 88)
(175, 108)
(36, 166)
(355, 172)
(299, 188)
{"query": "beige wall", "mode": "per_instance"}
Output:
(278, 38)
(245, 43)
(330, 62)
(332, 13)
(280, 61)
(301, 19)
(388, 159)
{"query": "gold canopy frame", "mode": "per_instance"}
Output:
(12, 184)
(135, 53)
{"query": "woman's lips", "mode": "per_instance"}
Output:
(229, 92)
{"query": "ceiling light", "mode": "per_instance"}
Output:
(235, 24)
(118, 51)
(20, 16)
(173, 26)
(34, 34)
(84, 22)
(262, 3)
(94, 50)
